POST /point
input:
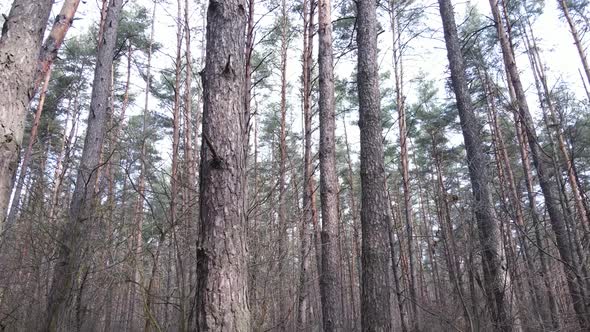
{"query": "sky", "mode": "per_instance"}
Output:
(426, 56)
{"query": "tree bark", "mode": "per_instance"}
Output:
(375, 304)
(222, 286)
(20, 42)
(74, 234)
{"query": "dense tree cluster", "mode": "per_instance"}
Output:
(284, 166)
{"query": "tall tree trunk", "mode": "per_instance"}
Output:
(74, 234)
(222, 287)
(375, 305)
(20, 42)
(394, 13)
(138, 217)
(546, 174)
(189, 163)
(330, 282)
(304, 302)
(489, 232)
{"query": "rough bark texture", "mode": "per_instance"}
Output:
(74, 233)
(489, 230)
(20, 42)
(330, 287)
(546, 174)
(222, 303)
(375, 304)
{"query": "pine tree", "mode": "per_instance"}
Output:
(221, 253)
(375, 306)
(73, 246)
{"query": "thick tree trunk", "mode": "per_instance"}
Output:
(330, 287)
(375, 304)
(546, 174)
(222, 287)
(20, 42)
(74, 234)
(489, 231)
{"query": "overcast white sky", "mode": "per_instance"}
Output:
(426, 56)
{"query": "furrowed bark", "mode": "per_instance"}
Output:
(375, 304)
(222, 303)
